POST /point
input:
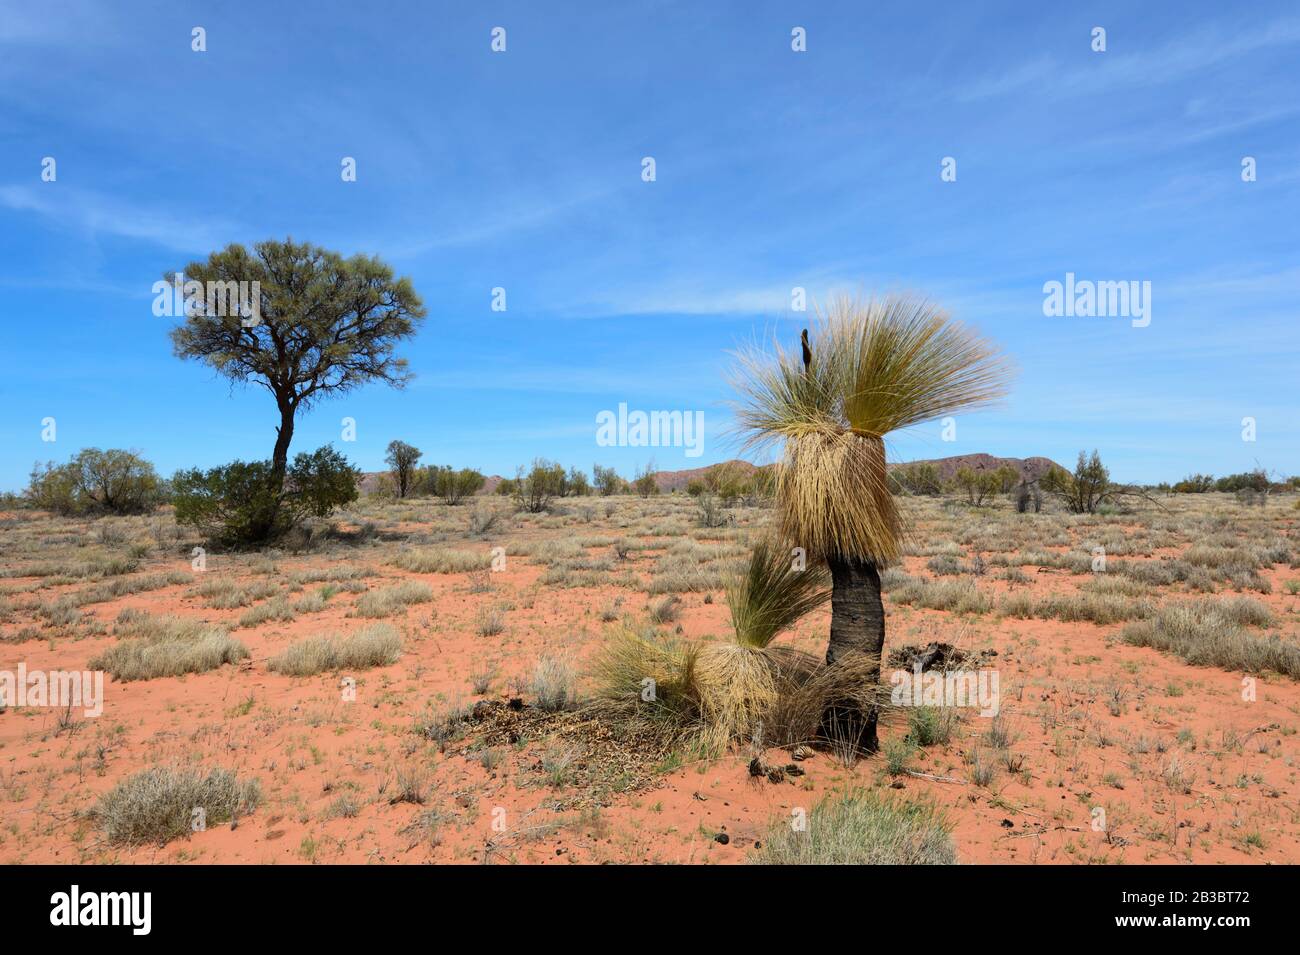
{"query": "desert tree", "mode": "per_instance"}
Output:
(534, 489)
(576, 484)
(869, 368)
(644, 482)
(321, 325)
(982, 484)
(1089, 486)
(606, 480)
(402, 459)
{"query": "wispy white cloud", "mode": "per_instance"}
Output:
(498, 221)
(95, 215)
(1121, 67)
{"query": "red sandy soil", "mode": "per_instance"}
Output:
(308, 747)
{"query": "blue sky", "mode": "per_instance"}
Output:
(775, 169)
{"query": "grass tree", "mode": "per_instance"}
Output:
(869, 367)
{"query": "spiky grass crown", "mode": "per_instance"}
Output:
(875, 366)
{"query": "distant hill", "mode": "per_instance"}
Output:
(669, 481)
(1030, 469)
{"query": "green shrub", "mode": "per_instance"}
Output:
(239, 503)
(451, 485)
(931, 725)
(113, 481)
(534, 490)
(402, 458)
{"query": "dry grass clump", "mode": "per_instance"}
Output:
(329, 575)
(391, 600)
(956, 596)
(1213, 633)
(862, 827)
(666, 610)
(714, 694)
(717, 693)
(818, 703)
(946, 565)
(442, 561)
(681, 573)
(157, 805)
(223, 593)
(1221, 558)
(1099, 608)
(647, 678)
(116, 587)
(491, 622)
(316, 601)
(375, 646)
(166, 646)
(735, 687)
(552, 684)
(275, 609)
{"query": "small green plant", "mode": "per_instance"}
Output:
(931, 725)
(861, 828)
(898, 753)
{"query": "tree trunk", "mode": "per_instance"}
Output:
(263, 523)
(857, 625)
(280, 456)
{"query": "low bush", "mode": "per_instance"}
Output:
(451, 485)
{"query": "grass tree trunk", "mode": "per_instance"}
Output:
(857, 626)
